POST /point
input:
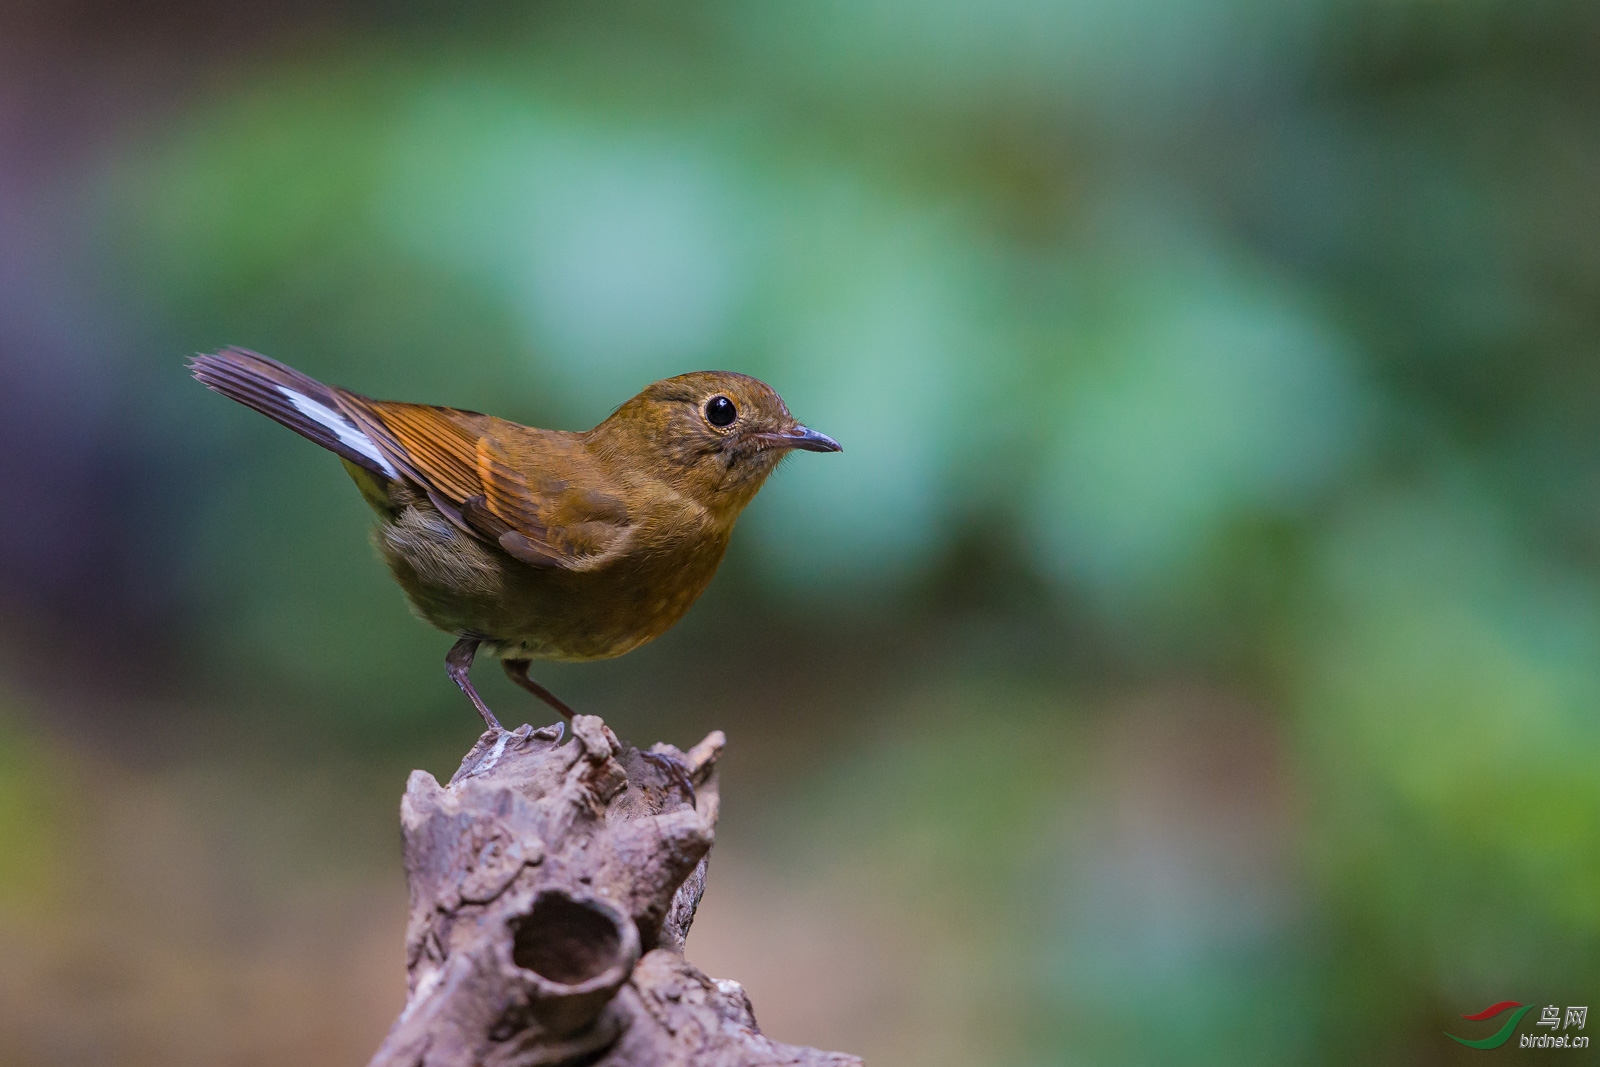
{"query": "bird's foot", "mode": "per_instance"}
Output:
(676, 769)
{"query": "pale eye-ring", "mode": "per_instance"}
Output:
(720, 411)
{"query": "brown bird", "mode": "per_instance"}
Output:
(542, 544)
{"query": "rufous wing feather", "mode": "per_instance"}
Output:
(528, 509)
(546, 513)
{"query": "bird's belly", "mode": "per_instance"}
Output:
(590, 615)
(465, 587)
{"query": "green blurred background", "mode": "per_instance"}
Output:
(1194, 656)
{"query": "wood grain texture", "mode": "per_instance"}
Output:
(552, 889)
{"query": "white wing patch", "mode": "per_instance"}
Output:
(342, 428)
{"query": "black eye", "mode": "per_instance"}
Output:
(720, 411)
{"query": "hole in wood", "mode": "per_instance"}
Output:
(566, 941)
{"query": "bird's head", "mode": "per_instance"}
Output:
(714, 434)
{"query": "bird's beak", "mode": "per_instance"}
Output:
(798, 436)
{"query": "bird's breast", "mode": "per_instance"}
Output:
(614, 609)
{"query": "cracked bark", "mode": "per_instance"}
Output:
(552, 888)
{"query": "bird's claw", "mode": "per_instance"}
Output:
(675, 768)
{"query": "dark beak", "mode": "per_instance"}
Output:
(804, 437)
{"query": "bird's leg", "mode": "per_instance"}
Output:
(517, 671)
(456, 664)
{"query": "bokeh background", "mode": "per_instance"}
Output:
(1194, 656)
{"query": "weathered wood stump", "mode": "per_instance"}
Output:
(552, 888)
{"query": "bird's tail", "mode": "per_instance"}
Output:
(303, 404)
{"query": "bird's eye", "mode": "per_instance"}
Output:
(720, 411)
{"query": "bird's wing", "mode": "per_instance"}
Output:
(547, 505)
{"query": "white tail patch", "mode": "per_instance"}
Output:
(343, 428)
